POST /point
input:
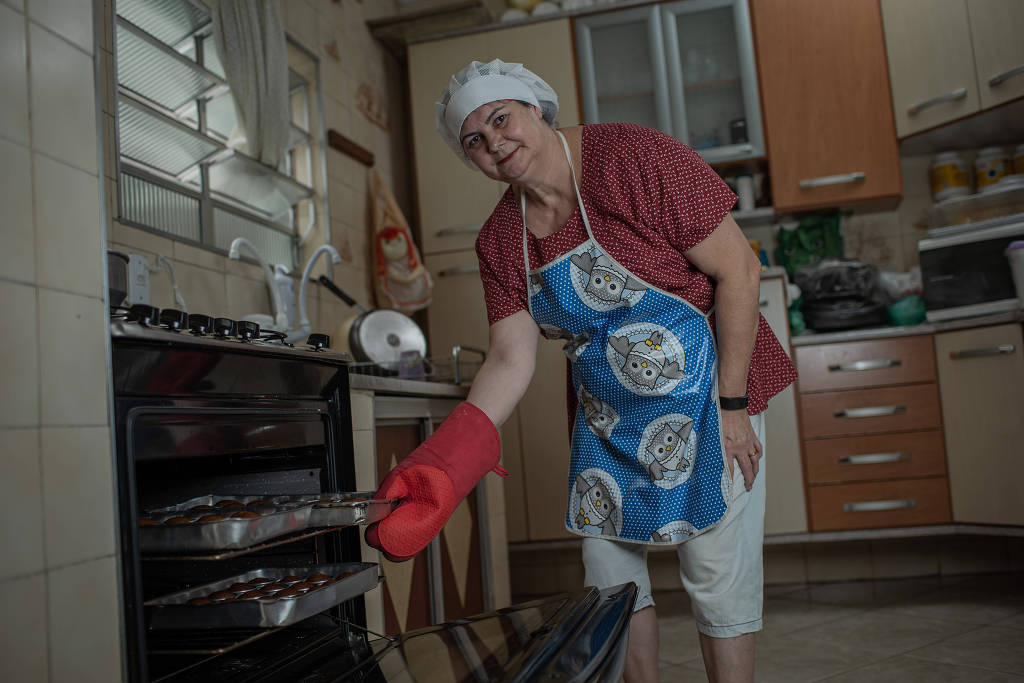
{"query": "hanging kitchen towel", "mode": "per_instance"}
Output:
(401, 282)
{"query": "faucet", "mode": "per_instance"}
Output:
(280, 317)
(305, 327)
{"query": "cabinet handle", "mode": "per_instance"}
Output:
(456, 352)
(855, 177)
(459, 230)
(958, 94)
(873, 458)
(1001, 350)
(1006, 75)
(763, 303)
(871, 411)
(459, 270)
(873, 364)
(880, 505)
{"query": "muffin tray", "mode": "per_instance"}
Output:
(174, 612)
(182, 528)
(346, 509)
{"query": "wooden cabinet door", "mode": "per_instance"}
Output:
(931, 64)
(981, 374)
(785, 511)
(452, 198)
(826, 104)
(998, 49)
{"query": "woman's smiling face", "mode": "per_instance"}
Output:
(501, 137)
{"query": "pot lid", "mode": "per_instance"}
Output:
(383, 336)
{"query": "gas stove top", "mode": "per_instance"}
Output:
(175, 328)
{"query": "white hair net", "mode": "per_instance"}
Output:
(481, 83)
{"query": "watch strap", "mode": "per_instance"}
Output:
(733, 402)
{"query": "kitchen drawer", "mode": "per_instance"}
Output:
(907, 502)
(869, 411)
(878, 362)
(866, 458)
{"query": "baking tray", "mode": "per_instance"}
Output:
(283, 515)
(346, 509)
(172, 612)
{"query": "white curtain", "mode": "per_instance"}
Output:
(249, 35)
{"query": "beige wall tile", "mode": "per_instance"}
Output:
(19, 364)
(140, 239)
(204, 258)
(874, 238)
(84, 623)
(784, 564)
(973, 554)
(63, 100)
(72, 20)
(911, 255)
(838, 561)
(202, 289)
(69, 252)
(78, 494)
(895, 558)
(365, 460)
(245, 297)
(362, 409)
(913, 214)
(14, 76)
(18, 257)
(21, 504)
(23, 630)
(916, 182)
(300, 22)
(246, 269)
(73, 380)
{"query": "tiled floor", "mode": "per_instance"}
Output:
(965, 628)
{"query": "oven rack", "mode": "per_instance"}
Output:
(229, 554)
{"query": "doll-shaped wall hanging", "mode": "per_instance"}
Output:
(400, 282)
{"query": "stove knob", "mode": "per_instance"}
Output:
(224, 327)
(319, 341)
(143, 314)
(173, 319)
(247, 330)
(200, 324)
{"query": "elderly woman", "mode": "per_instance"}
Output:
(617, 239)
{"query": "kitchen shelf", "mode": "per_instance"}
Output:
(169, 21)
(248, 182)
(157, 72)
(154, 139)
(760, 215)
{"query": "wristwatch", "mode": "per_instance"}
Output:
(733, 402)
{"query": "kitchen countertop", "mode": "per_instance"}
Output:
(866, 333)
(407, 387)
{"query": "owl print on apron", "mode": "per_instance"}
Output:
(647, 462)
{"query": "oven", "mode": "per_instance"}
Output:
(240, 527)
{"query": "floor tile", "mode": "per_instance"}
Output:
(783, 616)
(678, 641)
(674, 673)
(991, 647)
(788, 659)
(1016, 621)
(888, 591)
(958, 603)
(910, 670)
(843, 593)
(888, 633)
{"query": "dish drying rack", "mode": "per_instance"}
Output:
(453, 368)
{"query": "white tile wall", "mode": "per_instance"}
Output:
(17, 258)
(14, 76)
(23, 630)
(84, 623)
(71, 20)
(21, 504)
(63, 100)
(73, 378)
(19, 364)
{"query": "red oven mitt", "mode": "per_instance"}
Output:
(433, 480)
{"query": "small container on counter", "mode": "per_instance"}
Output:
(1018, 160)
(991, 164)
(950, 176)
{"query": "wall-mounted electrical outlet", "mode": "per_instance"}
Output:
(138, 279)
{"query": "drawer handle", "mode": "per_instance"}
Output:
(873, 458)
(871, 411)
(459, 270)
(880, 505)
(763, 303)
(1006, 75)
(843, 178)
(460, 230)
(874, 364)
(958, 94)
(1001, 350)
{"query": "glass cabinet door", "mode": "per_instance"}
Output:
(712, 78)
(622, 68)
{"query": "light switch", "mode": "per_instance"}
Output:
(138, 279)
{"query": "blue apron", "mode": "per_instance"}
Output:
(647, 463)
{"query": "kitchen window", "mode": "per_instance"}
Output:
(178, 174)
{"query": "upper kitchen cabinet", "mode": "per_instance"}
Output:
(825, 102)
(951, 58)
(454, 200)
(685, 68)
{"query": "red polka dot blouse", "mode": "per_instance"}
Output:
(649, 199)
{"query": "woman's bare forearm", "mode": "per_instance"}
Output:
(508, 369)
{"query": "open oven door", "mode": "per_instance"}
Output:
(579, 637)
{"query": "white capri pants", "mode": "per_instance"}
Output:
(721, 569)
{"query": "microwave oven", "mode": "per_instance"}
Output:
(965, 272)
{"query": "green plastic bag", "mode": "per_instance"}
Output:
(907, 311)
(815, 238)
